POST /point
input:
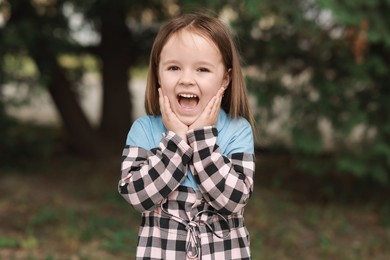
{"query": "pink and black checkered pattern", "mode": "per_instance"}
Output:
(225, 181)
(179, 222)
(148, 177)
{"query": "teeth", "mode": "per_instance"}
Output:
(187, 95)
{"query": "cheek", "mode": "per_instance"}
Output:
(166, 87)
(208, 95)
(168, 91)
(165, 80)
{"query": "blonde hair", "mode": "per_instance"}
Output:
(235, 100)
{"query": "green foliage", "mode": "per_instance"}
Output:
(122, 240)
(6, 242)
(325, 61)
(45, 217)
(329, 60)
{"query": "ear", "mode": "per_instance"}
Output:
(226, 78)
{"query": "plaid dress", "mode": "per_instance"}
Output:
(180, 222)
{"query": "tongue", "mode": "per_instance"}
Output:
(188, 102)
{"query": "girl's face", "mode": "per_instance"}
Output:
(190, 73)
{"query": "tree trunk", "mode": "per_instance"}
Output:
(83, 138)
(115, 56)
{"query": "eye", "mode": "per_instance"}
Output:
(173, 68)
(203, 69)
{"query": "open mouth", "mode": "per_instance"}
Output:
(188, 100)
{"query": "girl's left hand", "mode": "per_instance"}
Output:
(210, 114)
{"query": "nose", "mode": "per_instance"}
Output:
(186, 79)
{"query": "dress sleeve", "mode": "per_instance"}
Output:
(148, 176)
(226, 181)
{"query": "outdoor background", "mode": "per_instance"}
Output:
(72, 77)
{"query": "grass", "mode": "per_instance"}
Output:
(70, 209)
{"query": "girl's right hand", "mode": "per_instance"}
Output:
(170, 120)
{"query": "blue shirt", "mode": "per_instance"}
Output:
(234, 136)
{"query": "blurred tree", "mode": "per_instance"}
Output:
(366, 27)
(320, 71)
(120, 48)
(40, 29)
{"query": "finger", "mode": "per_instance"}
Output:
(167, 105)
(218, 101)
(220, 92)
(214, 111)
(216, 107)
(219, 96)
(210, 106)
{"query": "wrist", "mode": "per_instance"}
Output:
(182, 135)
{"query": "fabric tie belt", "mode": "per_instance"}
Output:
(193, 247)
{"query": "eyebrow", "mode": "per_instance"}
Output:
(169, 61)
(198, 63)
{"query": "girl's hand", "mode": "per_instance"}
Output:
(170, 120)
(209, 116)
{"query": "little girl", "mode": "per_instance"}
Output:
(188, 165)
